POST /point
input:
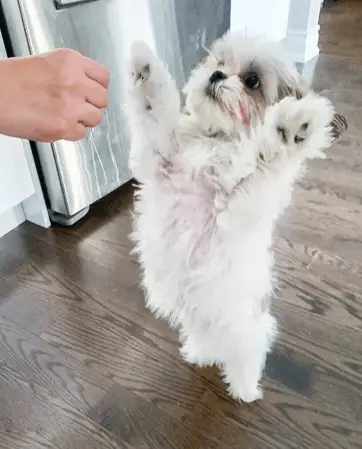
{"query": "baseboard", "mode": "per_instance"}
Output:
(11, 219)
(35, 209)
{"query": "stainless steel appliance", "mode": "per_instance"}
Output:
(77, 174)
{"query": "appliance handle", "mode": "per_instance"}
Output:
(61, 4)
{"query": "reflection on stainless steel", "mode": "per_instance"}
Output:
(77, 174)
(70, 2)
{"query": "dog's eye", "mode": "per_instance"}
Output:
(220, 63)
(252, 80)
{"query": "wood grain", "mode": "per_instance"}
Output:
(29, 357)
(35, 418)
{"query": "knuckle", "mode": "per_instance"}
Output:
(67, 53)
(53, 129)
(61, 128)
(103, 100)
(66, 71)
(107, 76)
(97, 117)
(100, 116)
(97, 97)
(78, 134)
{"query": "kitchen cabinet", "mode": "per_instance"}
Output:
(20, 191)
(16, 184)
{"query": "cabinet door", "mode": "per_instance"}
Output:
(16, 183)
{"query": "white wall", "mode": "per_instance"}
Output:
(296, 22)
(265, 17)
(303, 29)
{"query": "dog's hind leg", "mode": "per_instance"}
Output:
(198, 348)
(245, 358)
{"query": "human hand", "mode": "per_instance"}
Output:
(53, 96)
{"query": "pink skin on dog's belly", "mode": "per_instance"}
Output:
(192, 212)
(192, 219)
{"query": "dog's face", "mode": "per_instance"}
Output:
(237, 81)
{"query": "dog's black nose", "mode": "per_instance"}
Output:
(217, 76)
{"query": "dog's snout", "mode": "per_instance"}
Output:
(217, 76)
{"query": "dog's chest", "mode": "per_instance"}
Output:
(191, 208)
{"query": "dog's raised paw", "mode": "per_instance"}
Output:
(300, 118)
(298, 137)
(141, 61)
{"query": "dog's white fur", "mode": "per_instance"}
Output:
(212, 188)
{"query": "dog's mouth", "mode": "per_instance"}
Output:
(227, 93)
(242, 113)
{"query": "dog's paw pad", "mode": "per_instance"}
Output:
(282, 132)
(299, 119)
(143, 73)
(302, 133)
(286, 135)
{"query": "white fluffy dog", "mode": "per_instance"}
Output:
(214, 180)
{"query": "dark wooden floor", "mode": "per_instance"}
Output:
(84, 366)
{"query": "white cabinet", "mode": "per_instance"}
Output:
(15, 178)
(16, 183)
(21, 195)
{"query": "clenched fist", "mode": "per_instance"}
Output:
(53, 96)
